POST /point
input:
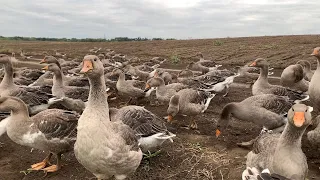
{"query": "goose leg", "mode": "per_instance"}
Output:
(41, 164)
(56, 167)
(248, 143)
(227, 91)
(279, 129)
(129, 102)
(193, 124)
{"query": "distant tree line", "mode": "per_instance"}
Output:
(81, 40)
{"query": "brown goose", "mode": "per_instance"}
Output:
(114, 75)
(262, 86)
(189, 102)
(164, 92)
(249, 72)
(166, 76)
(276, 152)
(51, 130)
(197, 66)
(307, 69)
(59, 89)
(138, 74)
(33, 97)
(204, 62)
(103, 147)
(267, 110)
(127, 89)
(314, 86)
(293, 77)
(314, 135)
(186, 77)
(68, 80)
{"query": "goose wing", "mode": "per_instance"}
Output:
(277, 104)
(142, 121)
(32, 96)
(57, 123)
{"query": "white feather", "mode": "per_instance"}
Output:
(149, 91)
(151, 142)
(3, 125)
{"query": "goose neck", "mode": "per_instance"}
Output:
(318, 62)
(291, 136)
(97, 93)
(8, 76)
(224, 119)
(264, 73)
(58, 78)
(19, 113)
(122, 77)
(161, 83)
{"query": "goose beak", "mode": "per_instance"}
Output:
(314, 52)
(218, 132)
(87, 66)
(42, 61)
(298, 119)
(45, 68)
(170, 118)
(253, 64)
(147, 86)
(156, 74)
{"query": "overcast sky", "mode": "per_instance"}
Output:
(180, 19)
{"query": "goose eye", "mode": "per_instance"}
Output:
(292, 109)
(306, 110)
(95, 59)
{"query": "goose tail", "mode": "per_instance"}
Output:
(305, 98)
(168, 136)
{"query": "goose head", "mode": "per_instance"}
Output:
(101, 56)
(225, 115)
(49, 59)
(154, 82)
(92, 66)
(305, 64)
(260, 62)
(199, 54)
(316, 52)
(191, 65)
(173, 108)
(4, 58)
(8, 103)
(185, 73)
(116, 71)
(300, 115)
(52, 67)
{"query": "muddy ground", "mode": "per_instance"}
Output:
(195, 154)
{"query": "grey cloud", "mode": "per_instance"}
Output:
(149, 18)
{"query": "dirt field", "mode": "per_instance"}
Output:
(194, 154)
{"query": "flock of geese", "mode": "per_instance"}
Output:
(57, 113)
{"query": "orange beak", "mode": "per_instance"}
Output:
(315, 52)
(253, 64)
(42, 61)
(218, 132)
(87, 66)
(170, 118)
(147, 86)
(45, 68)
(298, 119)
